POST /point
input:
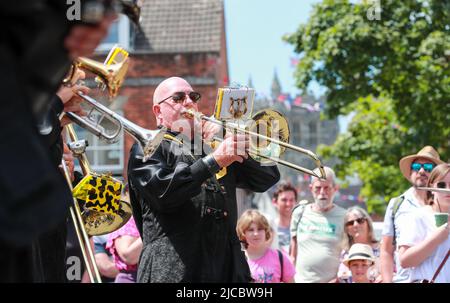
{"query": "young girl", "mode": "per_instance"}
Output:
(267, 265)
(424, 246)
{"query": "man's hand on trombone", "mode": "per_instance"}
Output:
(233, 148)
(209, 130)
(69, 160)
(70, 98)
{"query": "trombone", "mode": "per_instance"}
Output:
(103, 216)
(80, 231)
(439, 190)
(111, 75)
(267, 118)
(149, 140)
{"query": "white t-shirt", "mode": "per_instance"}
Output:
(420, 226)
(408, 205)
(318, 243)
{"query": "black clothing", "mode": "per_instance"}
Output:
(49, 249)
(16, 263)
(187, 218)
(49, 255)
(34, 33)
(33, 195)
(33, 61)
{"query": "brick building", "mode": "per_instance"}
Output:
(183, 38)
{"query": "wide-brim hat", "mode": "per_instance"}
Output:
(359, 251)
(428, 152)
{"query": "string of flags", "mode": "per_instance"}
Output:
(292, 101)
(353, 198)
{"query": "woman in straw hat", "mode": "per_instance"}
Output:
(425, 244)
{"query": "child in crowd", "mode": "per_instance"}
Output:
(359, 259)
(267, 265)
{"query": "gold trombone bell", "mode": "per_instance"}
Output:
(112, 76)
(269, 147)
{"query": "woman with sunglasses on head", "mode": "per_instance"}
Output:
(424, 246)
(358, 229)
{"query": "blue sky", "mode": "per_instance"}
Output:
(254, 30)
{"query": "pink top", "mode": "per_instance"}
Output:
(129, 229)
(267, 268)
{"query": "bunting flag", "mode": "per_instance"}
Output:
(294, 61)
(351, 198)
(298, 101)
(290, 101)
(282, 98)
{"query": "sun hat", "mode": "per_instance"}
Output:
(359, 251)
(428, 152)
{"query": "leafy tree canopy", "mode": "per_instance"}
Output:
(392, 72)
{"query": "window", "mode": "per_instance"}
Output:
(119, 33)
(103, 157)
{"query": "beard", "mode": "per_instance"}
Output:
(421, 181)
(322, 203)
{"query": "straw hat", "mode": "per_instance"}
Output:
(359, 251)
(428, 152)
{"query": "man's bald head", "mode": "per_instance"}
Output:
(169, 113)
(167, 87)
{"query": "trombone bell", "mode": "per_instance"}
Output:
(103, 211)
(273, 124)
(112, 76)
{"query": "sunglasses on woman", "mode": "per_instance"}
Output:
(359, 221)
(443, 184)
(428, 167)
(179, 97)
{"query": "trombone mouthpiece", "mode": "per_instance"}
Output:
(188, 113)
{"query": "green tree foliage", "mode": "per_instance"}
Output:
(393, 73)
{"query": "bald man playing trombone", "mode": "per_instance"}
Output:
(184, 195)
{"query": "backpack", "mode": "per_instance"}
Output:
(397, 202)
(280, 257)
(302, 204)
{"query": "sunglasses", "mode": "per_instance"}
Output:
(428, 167)
(179, 97)
(359, 221)
(442, 184)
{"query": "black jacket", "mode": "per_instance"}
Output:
(187, 218)
(34, 61)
